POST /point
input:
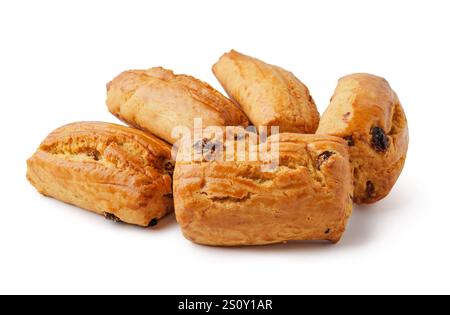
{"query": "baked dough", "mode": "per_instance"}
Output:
(157, 100)
(367, 113)
(232, 203)
(269, 95)
(109, 169)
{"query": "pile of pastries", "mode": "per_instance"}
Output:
(354, 153)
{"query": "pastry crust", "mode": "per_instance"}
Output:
(157, 100)
(367, 113)
(234, 203)
(109, 169)
(269, 95)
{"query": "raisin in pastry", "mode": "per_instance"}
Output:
(113, 170)
(367, 113)
(157, 100)
(269, 95)
(233, 202)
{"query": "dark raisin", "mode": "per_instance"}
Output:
(94, 154)
(323, 158)
(169, 167)
(327, 231)
(346, 116)
(370, 189)
(198, 146)
(112, 217)
(210, 146)
(380, 142)
(350, 141)
(207, 148)
(153, 222)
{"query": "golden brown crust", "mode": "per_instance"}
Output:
(269, 95)
(234, 203)
(367, 112)
(157, 100)
(106, 168)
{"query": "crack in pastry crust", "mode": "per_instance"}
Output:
(106, 168)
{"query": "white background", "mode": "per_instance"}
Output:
(57, 56)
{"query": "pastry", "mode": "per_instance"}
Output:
(109, 169)
(157, 100)
(305, 196)
(367, 113)
(269, 95)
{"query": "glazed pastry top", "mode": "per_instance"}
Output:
(366, 112)
(157, 100)
(108, 145)
(306, 196)
(269, 95)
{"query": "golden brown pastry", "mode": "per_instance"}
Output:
(367, 113)
(269, 95)
(232, 203)
(157, 100)
(109, 169)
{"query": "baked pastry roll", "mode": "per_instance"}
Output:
(269, 95)
(232, 202)
(367, 113)
(157, 100)
(109, 169)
